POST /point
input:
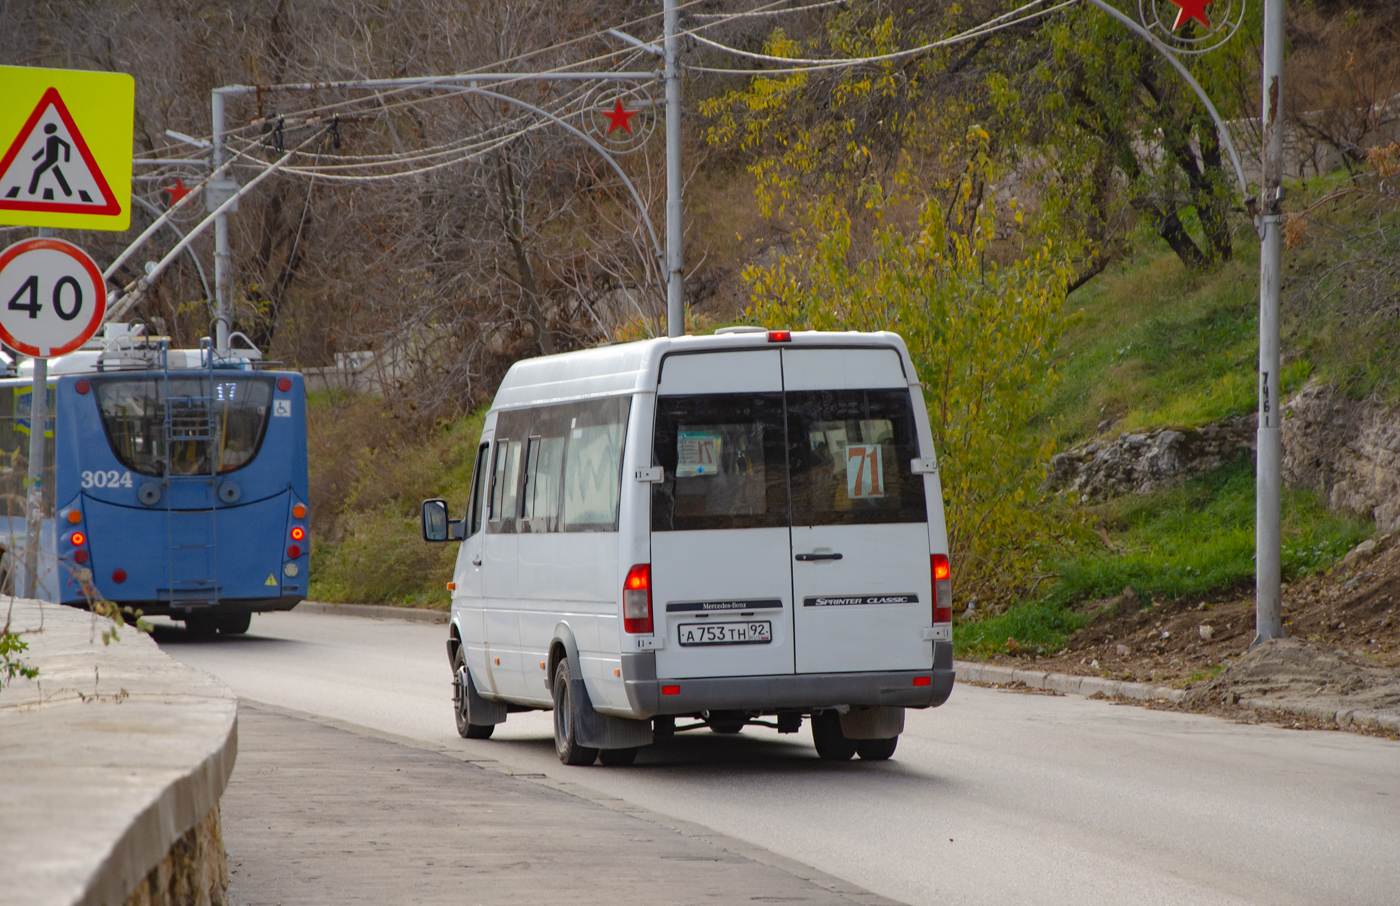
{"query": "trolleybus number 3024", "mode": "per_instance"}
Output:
(758, 633)
(108, 479)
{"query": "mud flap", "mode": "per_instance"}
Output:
(872, 722)
(603, 731)
(480, 711)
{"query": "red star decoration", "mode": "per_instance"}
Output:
(177, 191)
(617, 118)
(1191, 9)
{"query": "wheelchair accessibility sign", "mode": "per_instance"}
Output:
(66, 136)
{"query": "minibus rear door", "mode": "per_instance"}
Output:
(861, 571)
(720, 546)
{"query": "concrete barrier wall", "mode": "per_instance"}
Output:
(113, 755)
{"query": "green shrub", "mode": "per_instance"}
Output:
(1191, 541)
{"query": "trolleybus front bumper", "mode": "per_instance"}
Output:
(649, 696)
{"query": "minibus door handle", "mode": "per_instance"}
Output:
(807, 557)
(476, 560)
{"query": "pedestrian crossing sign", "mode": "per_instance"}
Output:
(65, 148)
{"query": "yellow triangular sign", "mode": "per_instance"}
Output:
(271, 579)
(66, 180)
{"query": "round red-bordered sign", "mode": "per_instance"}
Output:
(52, 297)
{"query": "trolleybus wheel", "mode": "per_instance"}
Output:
(460, 678)
(566, 720)
(876, 749)
(200, 627)
(618, 758)
(234, 623)
(831, 743)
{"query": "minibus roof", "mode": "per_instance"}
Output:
(625, 368)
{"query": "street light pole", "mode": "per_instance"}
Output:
(1268, 477)
(675, 224)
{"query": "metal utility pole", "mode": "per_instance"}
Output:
(675, 223)
(1267, 540)
(34, 485)
(217, 193)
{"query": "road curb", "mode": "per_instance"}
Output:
(1342, 717)
(969, 672)
(111, 755)
(374, 611)
(1065, 683)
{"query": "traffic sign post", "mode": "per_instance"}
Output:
(52, 300)
(65, 148)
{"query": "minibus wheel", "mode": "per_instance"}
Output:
(831, 743)
(566, 721)
(460, 677)
(876, 749)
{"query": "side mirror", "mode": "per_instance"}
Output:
(436, 525)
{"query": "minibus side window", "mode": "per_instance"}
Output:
(544, 468)
(593, 464)
(479, 481)
(849, 452)
(723, 461)
(505, 482)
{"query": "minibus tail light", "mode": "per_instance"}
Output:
(780, 336)
(942, 588)
(636, 599)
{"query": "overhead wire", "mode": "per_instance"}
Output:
(814, 64)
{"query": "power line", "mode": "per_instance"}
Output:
(989, 27)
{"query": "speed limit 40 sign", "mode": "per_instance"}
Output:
(52, 297)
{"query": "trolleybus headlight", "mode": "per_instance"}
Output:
(118, 576)
(77, 539)
(636, 599)
(293, 552)
(298, 533)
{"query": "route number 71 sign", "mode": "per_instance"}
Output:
(865, 472)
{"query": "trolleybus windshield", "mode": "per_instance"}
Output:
(184, 424)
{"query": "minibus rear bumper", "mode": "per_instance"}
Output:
(650, 696)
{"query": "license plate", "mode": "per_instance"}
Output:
(751, 633)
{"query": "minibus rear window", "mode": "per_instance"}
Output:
(722, 455)
(849, 454)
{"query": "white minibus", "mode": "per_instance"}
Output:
(731, 529)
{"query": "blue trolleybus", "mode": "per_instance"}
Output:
(178, 484)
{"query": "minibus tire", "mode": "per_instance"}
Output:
(831, 743)
(618, 758)
(876, 749)
(566, 722)
(459, 700)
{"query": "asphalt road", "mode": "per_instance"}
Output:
(995, 797)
